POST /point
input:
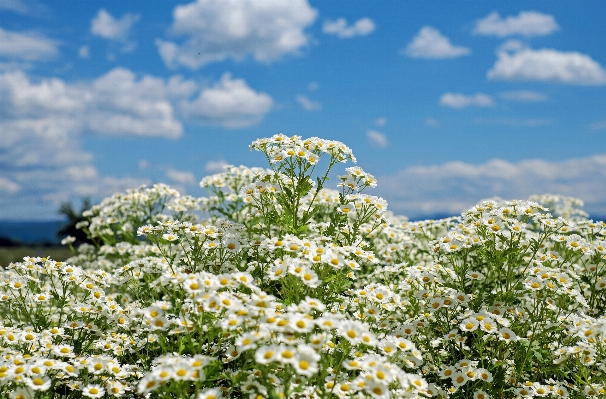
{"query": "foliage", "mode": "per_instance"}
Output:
(74, 221)
(275, 286)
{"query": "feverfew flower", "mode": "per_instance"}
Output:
(93, 391)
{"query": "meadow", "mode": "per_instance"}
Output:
(275, 286)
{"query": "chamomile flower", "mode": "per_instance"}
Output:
(306, 361)
(507, 335)
(170, 237)
(301, 323)
(377, 389)
(93, 391)
(480, 394)
(469, 324)
(266, 354)
(488, 325)
(212, 393)
(459, 378)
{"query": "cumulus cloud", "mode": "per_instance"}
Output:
(43, 164)
(457, 100)
(526, 23)
(229, 103)
(41, 155)
(121, 104)
(115, 103)
(376, 138)
(430, 43)
(308, 104)
(106, 26)
(339, 28)
(117, 30)
(454, 187)
(42, 122)
(215, 30)
(27, 46)
(517, 62)
(524, 96)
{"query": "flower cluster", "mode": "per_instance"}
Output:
(275, 286)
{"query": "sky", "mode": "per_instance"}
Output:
(445, 103)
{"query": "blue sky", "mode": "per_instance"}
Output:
(446, 103)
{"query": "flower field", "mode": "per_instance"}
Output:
(275, 286)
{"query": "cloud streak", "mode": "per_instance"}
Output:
(459, 101)
(26, 46)
(376, 138)
(526, 23)
(455, 186)
(524, 96)
(339, 28)
(308, 104)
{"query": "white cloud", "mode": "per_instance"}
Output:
(106, 26)
(524, 96)
(381, 121)
(516, 62)
(17, 6)
(307, 104)
(27, 46)
(115, 103)
(453, 187)
(43, 164)
(8, 186)
(181, 177)
(84, 52)
(430, 43)
(42, 122)
(361, 27)
(229, 103)
(515, 122)
(600, 125)
(432, 122)
(25, 7)
(215, 166)
(121, 104)
(313, 86)
(457, 100)
(215, 30)
(526, 23)
(376, 138)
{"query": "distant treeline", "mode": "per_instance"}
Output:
(7, 242)
(17, 233)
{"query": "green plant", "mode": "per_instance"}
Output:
(288, 289)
